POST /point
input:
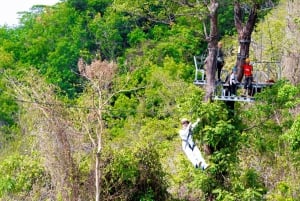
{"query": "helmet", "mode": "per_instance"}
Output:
(247, 60)
(184, 120)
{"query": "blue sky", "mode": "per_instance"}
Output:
(9, 9)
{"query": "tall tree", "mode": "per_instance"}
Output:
(244, 30)
(212, 49)
(167, 12)
(291, 59)
(100, 75)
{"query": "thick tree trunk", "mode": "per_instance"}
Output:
(212, 50)
(211, 60)
(291, 58)
(244, 34)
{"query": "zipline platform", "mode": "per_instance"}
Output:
(221, 92)
(234, 98)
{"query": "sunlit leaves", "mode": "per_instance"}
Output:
(19, 173)
(283, 192)
(293, 135)
(6, 59)
(136, 36)
(137, 171)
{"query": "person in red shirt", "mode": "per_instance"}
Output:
(248, 68)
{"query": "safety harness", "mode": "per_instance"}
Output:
(187, 138)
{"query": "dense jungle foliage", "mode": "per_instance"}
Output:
(92, 93)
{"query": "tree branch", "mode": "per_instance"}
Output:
(252, 18)
(238, 17)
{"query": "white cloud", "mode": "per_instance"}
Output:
(9, 9)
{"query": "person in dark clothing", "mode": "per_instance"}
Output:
(233, 82)
(220, 60)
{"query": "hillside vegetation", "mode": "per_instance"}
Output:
(92, 93)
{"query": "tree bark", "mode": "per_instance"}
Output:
(244, 35)
(98, 152)
(291, 58)
(211, 60)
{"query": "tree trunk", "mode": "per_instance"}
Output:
(97, 176)
(98, 153)
(212, 50)
(244, 35)
(291, 58)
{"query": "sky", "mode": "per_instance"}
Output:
(9, 9)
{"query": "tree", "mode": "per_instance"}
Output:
(244, 33)
(54, 52)
(212, 49)
(45, 118)
(290, 59)
(100, 75)
(167, 12)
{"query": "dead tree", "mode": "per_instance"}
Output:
(100, 75)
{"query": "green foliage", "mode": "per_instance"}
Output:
(18, 173)
(138, 172)
(178, 70)
(225, 19)
(54, 52)
(6, 59)
(8, 112)
(80, 5)
(98, 6)
(293, 135)
(136, 36)
(266, 34)
(222, 195)
(272, 132)
(250, 179)
(221, 135)
(247, 187)
(180, 44)
(151, 176)
(123, 168)
(8, 106)
(158, 32)
(153, 43)
(108, 32)
(275, 101)
(283, 193)
(123, 107)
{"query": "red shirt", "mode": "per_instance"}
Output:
(247, 69)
